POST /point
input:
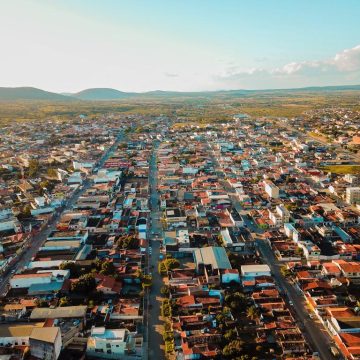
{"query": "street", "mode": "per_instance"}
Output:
(155, 324)
(28, 253)
(314, 332)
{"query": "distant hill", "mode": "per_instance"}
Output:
(29, 93)
(108, 94)
(98, 94)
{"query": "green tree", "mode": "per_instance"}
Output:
(236, 301)
(230, 335)
(162, 268)
(233, 349)
(146, 281)
(34, 167)
(171, 263)
(252, 312)
(64, 301)
(107, 268)
(165, 290)
(128, 242)
(285, 271)
(85, 284)
(75, 270)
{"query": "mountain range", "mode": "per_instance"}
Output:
(108, 94)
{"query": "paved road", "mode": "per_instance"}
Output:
(36, 242)
(315, 333)
(154, 321)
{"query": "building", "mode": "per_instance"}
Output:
(213, 262)
(17, 334)
(271, 189)
(110, 343)
(45, 343)
(353, 195)
(68, 312)
(249, 272)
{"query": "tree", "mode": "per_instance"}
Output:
(33, 167)
(285, 271)
(75, 270)
(165, 290)
(252, 312)
(107, 268)
(25, 212)
(128, 242)
(162, 268)
(171, 263)
(146, 281)
(230, 335)
(233, 349)
(64, 301)
(85, 284)
(236, 301)
(166, 308)
(41, 303)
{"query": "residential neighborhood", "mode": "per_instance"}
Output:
(124, 241)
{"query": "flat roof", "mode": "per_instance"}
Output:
(18, 330)
(47, 334)
(214, 256)
(255, 268)
(59, 312)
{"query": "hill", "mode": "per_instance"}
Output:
(29, 93)
(101, 94)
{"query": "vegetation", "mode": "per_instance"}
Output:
(85, 284)
(343, 169)
(166, 308)
(167, 265)
(128, 242)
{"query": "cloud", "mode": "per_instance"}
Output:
(342, 69)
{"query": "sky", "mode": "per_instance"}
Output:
(181, 45)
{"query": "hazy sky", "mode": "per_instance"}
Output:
(140, 45)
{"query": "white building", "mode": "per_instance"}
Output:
(252, 271)
(353, 195)
(45, 343)
(271, 189)
(110, 343)
(105, 176)
(24, 281)
(17, 334)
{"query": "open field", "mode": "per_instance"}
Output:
(343, 169)
(199, 108)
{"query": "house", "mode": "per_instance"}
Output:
(211, 261)
(349, 269)
(109, 286)
(45, 343)
(271, 189)
(250, 272)
(42, 278)
(110, 343)
(17, 334)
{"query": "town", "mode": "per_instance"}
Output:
(137, 236)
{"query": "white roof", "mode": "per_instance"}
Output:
(255, 268)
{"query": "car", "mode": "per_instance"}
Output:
(13, 271)
(291, 303)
